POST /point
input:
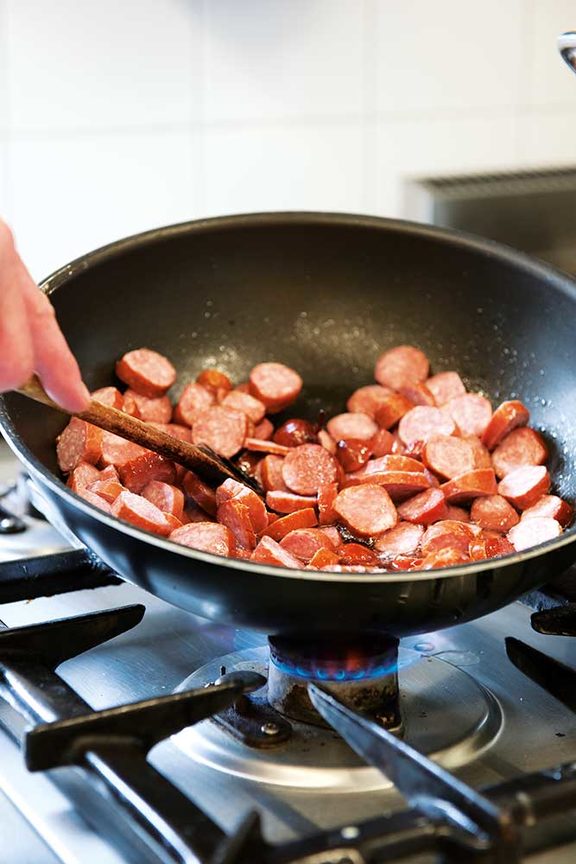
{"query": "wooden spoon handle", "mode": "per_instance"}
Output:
(198, 458)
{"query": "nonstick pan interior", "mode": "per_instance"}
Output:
(324, 294)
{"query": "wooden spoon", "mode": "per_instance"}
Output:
(196, 457)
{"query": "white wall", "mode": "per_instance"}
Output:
(120, 115)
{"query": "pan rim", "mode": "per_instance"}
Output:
(562, 281)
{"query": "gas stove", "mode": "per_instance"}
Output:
(133, 731)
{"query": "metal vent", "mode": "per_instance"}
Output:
(531, 210)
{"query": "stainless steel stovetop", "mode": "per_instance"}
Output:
(462, 697)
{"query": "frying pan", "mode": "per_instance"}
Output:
(325, 294)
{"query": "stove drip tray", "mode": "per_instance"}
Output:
(445, 714)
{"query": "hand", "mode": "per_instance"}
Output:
(30, 338)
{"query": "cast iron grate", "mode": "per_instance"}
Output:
(129, 799)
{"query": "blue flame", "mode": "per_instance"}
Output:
(317, 673)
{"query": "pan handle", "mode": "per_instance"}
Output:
(567, 48)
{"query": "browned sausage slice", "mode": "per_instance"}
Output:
(520, 447)
(268, 551)
(232, 490)
(524, 486)
(422, 423)
(506, 417)
(308, 467)
(399, 484)
(367, 400)
(83, 476)
(382, 443)
(303, 543)
(367, 510)
(532, 532)
(117, 450)
(223, 429)
(288, 502)
(271, 474)
(425, 508)
(146, 372)
(471, 413)
(259, 446)
(418, 394)
(108, 489)
(401, 366)
(447, 533)
(109, 396)
(205, 537)
(391, 409)
(482, 458)
(199, 492)
(299, 519)
(275, 384)
(165, 496)
(141, 513)
(551, 506)
(473, 484)
(253, 408)
(214, 380)
(445, 386)
(236, 516)
(137, 473)
(494, 512)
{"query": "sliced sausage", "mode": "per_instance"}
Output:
(296, 431)
(268, 551)
(326, 441)
(418, 394)
(393, 462)
(427, 507)
(78, 442)
(401, 366)
(532, 532)
(551, 506)
(403, 539)
(236, 516)
(205, 537)
(456, 535)
(357, 554)
(83, 476)
(391, 410)
(506, 417)
(303, 543)
(367, 400)
(129, 405)
(299, 519)
(449, 556)
(494, 512)
(482, 458)
(524, 486)
(422, 423)
(327, 493)
(233, 490)
(275, 384)
(288, 502)
(118, 451)
(165, 496)
(222, 429)
(399, 484)
(356, 426)
(214, 380)
(95, 499)
(323, 558)
(183, 433)
(199, 492)
(457, 514)
(353, 454)
(253, 408)
(146, 372)
(448, 456)
(157, 410)
(271, 474)
(137, 473)
(264, 430)
(473, 484)
(520, 447)
(109, 396)
(382, 443)
(471, 413)
(366, 510)
(194, 400)
(141, 513)
(445, 386)
(107, 489)
(258, 446)
(307, 467)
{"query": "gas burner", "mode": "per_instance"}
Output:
(313, 757)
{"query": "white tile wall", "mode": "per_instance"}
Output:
(115, 117)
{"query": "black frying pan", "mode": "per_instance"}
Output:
(324, 294)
